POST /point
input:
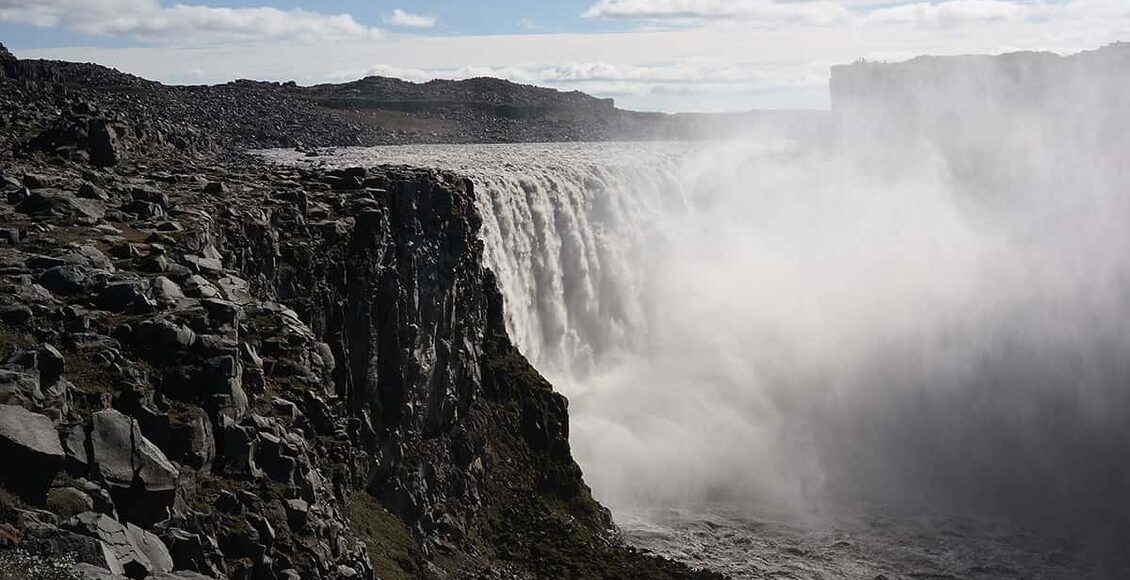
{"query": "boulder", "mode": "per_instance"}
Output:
(192, 552)
(15, 314)
(193, 444)
(90, 191)
(43, 202)
(127, 549)
(103, 142)
(67, 502)
(239, 445)
(141, 479)
(125, 295)
(153, 548)
(30, 452)
(64, 280)
(166, 292)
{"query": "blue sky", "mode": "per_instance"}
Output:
(670, 55)
(453, 18)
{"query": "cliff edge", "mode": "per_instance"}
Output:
(214, 369)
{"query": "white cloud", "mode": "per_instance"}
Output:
(927, 13)
(402, 18)
(953, 12)
(821, 12)
(152, 20)
(687, 68)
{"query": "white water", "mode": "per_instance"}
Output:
(743, 325)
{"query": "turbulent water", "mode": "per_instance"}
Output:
(781, 365)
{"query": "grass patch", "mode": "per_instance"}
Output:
(12, 340)
(392, 550)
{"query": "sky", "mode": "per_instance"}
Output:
(655, 55)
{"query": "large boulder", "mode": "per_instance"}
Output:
(126, 295)
(141, 479)
(30, 453)
(104, 143)
(128, 550)
(44, 202)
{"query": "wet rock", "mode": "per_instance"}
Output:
(31, 452)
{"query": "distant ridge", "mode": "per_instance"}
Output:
(381, 111)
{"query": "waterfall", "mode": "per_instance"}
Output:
(751, 322)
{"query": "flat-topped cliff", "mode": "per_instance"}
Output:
(212, 368)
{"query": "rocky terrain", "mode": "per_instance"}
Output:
(212, 368)
(386, 111)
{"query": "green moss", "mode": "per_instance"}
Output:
(392, 550)
(63, 504)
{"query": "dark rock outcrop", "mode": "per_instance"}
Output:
(30, 452)
(296, 375)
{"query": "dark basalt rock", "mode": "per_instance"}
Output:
(30, 451)
(128, 550)
(61, 203)
(140, 478)
(276, 379)
(104, 143)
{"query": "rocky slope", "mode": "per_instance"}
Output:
(384, 111)
(212, 368)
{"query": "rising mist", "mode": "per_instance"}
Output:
(929, 306)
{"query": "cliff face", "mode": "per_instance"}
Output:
(212, 367)
(1004, 124)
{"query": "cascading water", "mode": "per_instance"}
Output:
(747, 330)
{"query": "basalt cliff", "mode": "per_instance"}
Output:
(214, 368)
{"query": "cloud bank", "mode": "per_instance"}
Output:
(154, 21)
